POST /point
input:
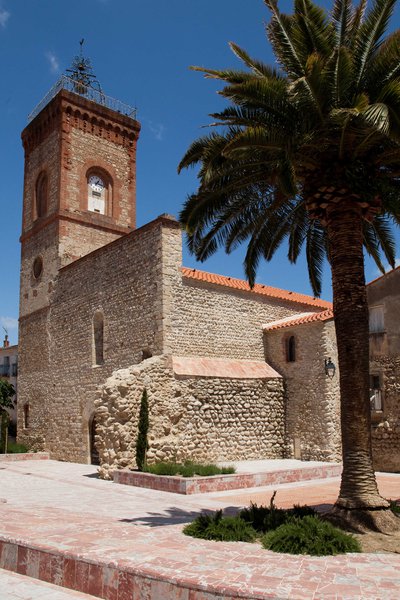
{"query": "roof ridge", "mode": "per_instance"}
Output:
(259, 288)
(294, 320)
(383, 275)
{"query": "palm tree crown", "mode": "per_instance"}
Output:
(323, 127)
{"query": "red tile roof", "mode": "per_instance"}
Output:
(199, 366)
(259, 289)
(295, 320)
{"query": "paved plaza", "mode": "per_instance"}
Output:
(62, 524)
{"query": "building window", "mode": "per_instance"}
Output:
(41, 195)
(375, 393)
(98, 338)
(37, 267)
(376, 319)
(26, 416)
(291, 349)
(5, 367)
(99, 192)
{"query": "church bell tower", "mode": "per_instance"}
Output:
(79, 179)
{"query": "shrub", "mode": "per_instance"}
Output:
(142, 444)
(162, 468)
(310, 535)
(267, 518)
(221, 529)
(14, 448)
(187, 469)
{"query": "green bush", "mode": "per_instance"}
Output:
(309, 535)
(221, 529)
(14, 448)
(267, 518)
(187, 469)
(162, 468)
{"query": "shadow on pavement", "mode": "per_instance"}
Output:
(174, 516)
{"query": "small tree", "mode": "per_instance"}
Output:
(6, 393)
(142, 443)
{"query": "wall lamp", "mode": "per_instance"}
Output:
(330, 368)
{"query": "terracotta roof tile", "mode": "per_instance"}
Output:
(199, 366)
(295, 320)
(259, 289)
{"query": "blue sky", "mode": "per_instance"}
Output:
(141, 51)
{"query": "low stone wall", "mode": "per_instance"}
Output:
(196, 418)
(24, 456)
(218, 483)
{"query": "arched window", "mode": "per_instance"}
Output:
(41, 192)
(291, 349)
(98, 192)
(26, 416)
(98, 338)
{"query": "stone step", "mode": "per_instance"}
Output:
(19, 587)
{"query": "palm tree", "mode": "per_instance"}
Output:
(310, 152)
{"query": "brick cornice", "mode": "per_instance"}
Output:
(73, 111)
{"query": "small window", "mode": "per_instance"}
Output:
(37, 267)
(98, 338)
(376, 320)
(291, 349)
(26, 416)
(41, 195)
(375, 393)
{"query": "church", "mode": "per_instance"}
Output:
(107, 310)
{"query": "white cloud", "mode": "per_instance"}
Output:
(157, 129)
(4, 16)
(9, 323)
(53, 60)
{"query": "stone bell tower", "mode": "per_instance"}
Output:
(79, 180)
(79, 196)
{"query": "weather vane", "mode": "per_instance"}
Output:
(81, 73)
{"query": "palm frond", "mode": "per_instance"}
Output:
(342, 17)
(370, 35)
(259, 68)
(279, 32)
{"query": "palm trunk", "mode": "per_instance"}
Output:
(344, 227)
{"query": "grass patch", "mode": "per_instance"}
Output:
(310, 535)
(221, 529)
(188, 469)
(395, 507)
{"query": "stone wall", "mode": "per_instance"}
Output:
(386, 426)
(59, 378)
(312, 399)
(204, 419)
(213, 320)
(45, 156)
